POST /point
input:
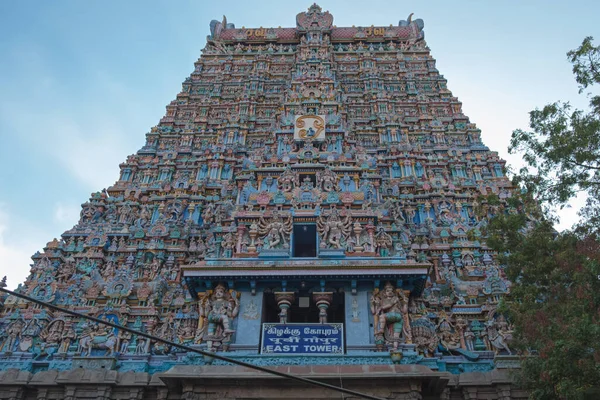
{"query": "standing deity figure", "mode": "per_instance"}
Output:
(384, 242)
(217, 312)
(13, 334)
(390, 312)
(69, 336)
(334, 231)
(124, 338)
(283, 315)
(228, 244)
(208, 214)
(469, 338)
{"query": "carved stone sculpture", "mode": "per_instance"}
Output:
(390, 312)
(333, 230)
(217, 312)
(275, 232)
(97, 337)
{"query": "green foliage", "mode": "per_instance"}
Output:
(562, 150)
(555, 297)
(554, 305)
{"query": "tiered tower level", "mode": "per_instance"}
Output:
(314, 192)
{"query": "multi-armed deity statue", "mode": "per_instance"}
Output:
(310, 175)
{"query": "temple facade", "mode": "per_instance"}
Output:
(313, 200)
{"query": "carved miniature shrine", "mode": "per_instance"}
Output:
(314, 195)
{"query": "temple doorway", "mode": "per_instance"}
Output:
(305, 240)
(304, 309)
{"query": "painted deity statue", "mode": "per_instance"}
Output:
(52, 336)
(217, 312)
(287, 181)
(384, 242)
(334, 231)
(276, 231)
(390, 312)
(449, 339)
(13, 333)
(496, 335)
(228, 244)
(327, 180)
(97, 337)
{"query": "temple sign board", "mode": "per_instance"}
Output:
(302, 339)
(309, 127)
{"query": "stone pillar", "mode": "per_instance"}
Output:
(436, 270)
(357, 229)
(461, 325)
(371, 230)
(323, 301)
(253, 232)
(284, 301)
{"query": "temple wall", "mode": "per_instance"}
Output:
(358, 331)
(249, 321)
(227, 382)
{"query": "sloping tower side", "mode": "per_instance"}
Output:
(314, 196)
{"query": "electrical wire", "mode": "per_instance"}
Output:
(193, 350)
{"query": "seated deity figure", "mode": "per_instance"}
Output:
(327, 180)
(390, 311)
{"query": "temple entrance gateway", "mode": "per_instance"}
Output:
(303, 306)
(310, 186)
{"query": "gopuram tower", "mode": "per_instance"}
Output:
(314, 197)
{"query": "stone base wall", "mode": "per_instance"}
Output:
(412, 382)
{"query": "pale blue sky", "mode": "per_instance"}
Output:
(81, 82)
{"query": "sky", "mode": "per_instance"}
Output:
(81, 82)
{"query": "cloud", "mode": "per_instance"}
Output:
(15, 258)
(76, 138)
(66, 213)
(86, 132)
(91, 154)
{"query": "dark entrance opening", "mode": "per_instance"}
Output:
(304, 309)
(305, 241)
(308, 181)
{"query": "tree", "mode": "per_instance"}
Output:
(554, 305)
(555, 299)
(562, 150)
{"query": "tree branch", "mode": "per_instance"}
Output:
(582, 165)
